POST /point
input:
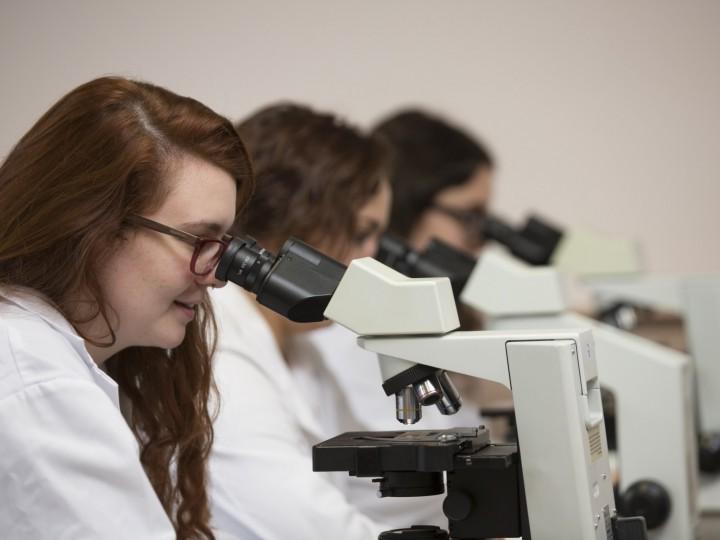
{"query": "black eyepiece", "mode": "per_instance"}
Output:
(245, 263)
(523, 248)
(535, 243)
(298, 283)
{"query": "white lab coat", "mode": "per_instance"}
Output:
(357, 376)
(69, 467)
(262, 482)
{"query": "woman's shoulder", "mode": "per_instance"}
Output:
(32, 350)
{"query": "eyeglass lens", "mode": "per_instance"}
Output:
(207, 254)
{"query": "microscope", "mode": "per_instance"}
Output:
(697, 300)
(554, 485)
(579, 251)
(536, 243)
(610, 269)
(661, 486)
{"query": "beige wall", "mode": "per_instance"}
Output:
(602, 114)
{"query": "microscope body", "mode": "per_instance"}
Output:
(652, 386)
(697, 300)
(552, 375)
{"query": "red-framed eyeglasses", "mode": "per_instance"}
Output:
(206, 251)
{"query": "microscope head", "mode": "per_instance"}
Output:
(367, 297)
(438, 259)
(535, 290)
(576, 250)
(374, 300)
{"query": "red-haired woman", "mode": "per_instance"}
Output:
(112, 214)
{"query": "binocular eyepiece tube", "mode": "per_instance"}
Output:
(297, 283)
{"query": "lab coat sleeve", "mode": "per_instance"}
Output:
(261, 472)
(70, 468)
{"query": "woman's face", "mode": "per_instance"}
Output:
(147, 282)
(468, 198)
(371, 222)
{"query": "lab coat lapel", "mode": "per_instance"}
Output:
(296, 399)
(273, 364)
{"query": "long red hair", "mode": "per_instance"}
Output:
(98, 155)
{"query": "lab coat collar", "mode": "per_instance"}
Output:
(34, 303)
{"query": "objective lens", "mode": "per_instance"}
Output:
(450, 403)
(427, 392)
(407, 408)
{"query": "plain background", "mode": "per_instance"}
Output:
(601, 114)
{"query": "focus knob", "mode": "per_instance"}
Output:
(457, 505)
(648, 499)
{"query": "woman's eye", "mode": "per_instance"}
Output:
(362, 237)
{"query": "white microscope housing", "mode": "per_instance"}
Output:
(652, 384)
(553, 376)
(697, 300)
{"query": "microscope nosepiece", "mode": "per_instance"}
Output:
(407, 408)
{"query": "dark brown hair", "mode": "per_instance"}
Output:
(313, 173)
(98, 155)
(429, 155)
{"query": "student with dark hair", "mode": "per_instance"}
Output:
(441, 179)
(113, 208)
(438, 174)
(321, 180)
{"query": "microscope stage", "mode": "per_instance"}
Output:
(375, 453)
